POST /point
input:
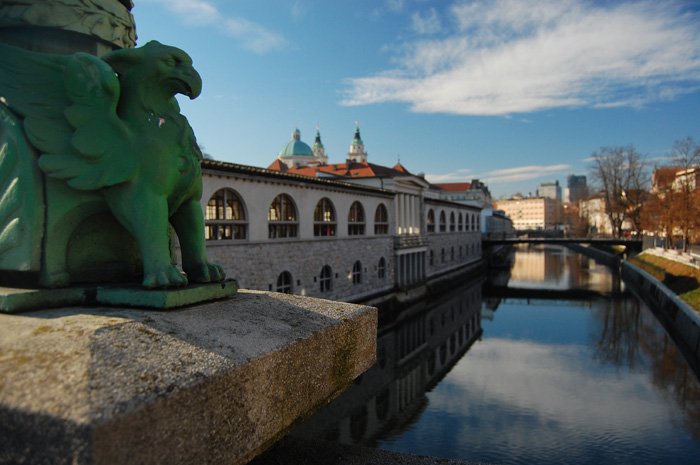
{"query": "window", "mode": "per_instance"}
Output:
(443, 222)
(381, 268)
(472, 225)
(324, 218)
(381, 220)
(284, 282)
(357, 273)
(460, 224)
(356, 220)
(224, 217)
(452, 254)
(432, 258)
(431, 221)
(452, 222)
(325, 278)
(442, 255)
(282, 218)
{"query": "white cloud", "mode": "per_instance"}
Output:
(458, 176)
(428, 24)
(395, 5)
(201, 13)
(549, 385)
(299, 10)
(253, 36)
(509, 56)
(521, 173)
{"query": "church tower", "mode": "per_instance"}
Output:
(357, 148)
(318, 149)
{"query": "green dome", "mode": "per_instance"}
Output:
(295, 147)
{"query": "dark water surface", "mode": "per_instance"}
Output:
(518, 381)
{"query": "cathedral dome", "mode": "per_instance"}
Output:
(295, 147)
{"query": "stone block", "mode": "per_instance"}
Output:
(213, 383)
(15, 300)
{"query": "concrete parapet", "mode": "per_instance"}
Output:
(676, 313)
(213, 383)
(598, 255)
(679, 318)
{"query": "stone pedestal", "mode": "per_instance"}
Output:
(213, 383)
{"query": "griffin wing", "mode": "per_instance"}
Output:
(69, 104)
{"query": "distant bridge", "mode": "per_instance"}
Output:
(630, 244)
(506, 292)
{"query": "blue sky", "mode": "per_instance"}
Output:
(512, 92)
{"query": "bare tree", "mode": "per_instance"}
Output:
(657, 213)
(621, 175)
(685, 156)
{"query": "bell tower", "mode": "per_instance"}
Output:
(357, 148)
(318, 149)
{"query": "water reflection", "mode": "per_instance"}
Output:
(556, 267)
(414, 352)
(511, 380)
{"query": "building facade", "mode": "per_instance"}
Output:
(549, 190)
(348, 231)
(532, 213)
(576, 188)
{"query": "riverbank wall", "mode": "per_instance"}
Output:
(680, 319)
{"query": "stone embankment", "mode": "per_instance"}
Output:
(680, 319)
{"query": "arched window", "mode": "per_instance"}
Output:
(452, 222)
(443, 222)
(452, 254)
(357, 273)
(442, 255)
(472, 223)
(432, 258)
(324, 218)
(478, 223)
(284, 282)
(356, 220)
(460, 223)
(381, 268)
(326, 278)
(224, 217)
(381, 220)
(431, 221)
(282, 218)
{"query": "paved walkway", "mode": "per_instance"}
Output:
(675, 255)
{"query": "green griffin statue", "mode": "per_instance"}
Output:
(107, 132)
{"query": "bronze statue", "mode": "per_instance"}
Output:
(109, 137)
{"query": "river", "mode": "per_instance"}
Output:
(568, 368)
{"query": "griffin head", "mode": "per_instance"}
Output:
(158, 70)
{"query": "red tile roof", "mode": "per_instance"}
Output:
(454, 186)
(664, 176)
(351, 169)
(278, 165)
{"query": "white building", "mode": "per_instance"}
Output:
(349, 231)
(531, 213)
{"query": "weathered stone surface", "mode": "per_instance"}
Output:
(216, 383)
